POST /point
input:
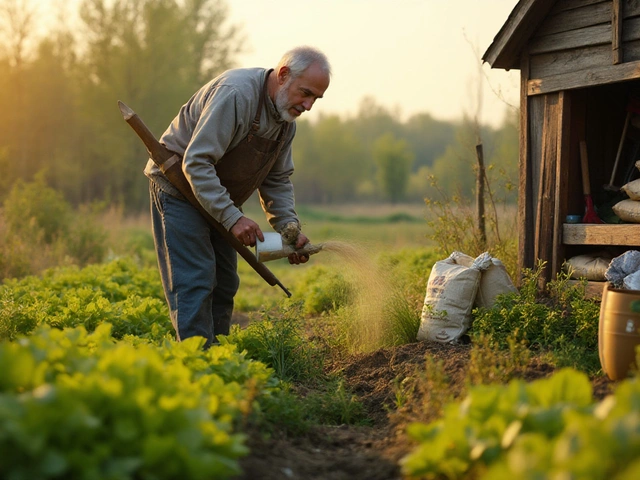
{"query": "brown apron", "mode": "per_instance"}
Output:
(243, 169)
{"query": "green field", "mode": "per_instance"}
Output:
(370, 229)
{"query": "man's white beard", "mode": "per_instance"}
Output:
(282, 102)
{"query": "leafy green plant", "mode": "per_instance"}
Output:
(334, 404)
(277, 340)
(119, 292)
(489, 365)
(539, 430)
(81, 405)
(322, 289)
(560, 320)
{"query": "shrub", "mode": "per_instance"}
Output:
(322, 290)
(559, 320)
(40, 230)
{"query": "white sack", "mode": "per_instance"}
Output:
(591, 267)
(494, 279)
(627, 210)
(632, 189)
(451, 292)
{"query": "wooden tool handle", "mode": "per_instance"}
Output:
(584, 163)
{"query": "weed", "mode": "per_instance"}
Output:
(334, 404)
(322, 290)
(277, 339)
(423, 395)
(488, 365)
(559, 320)
(454, 228)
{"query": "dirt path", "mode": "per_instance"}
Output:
(368, 453)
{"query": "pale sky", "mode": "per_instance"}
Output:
(416, 56)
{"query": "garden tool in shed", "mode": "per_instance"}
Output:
(590, 215)
(633, 107)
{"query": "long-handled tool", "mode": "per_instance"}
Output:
(590, 215)
(633, 107)
(171, 166)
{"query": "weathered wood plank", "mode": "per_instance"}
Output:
(631, 8)
(561, 193)
(567, 61)
(595, 14)
(556, 63)
(631, 29)
(616, 31)
(594, 35)
(631, 51)
(588, 78)
(592, 234)
(528, 136)
(505, 50)
(564, 5)
(546, 200)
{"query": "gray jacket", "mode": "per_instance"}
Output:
(215, 120)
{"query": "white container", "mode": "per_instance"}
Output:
(272, 247)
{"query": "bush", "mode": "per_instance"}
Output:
(120, 292)
(79, 405)
(322, 290)
(40, 230)
(559, 320)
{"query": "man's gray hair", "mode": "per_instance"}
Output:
(298, 59)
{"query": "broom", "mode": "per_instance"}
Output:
(590, 215)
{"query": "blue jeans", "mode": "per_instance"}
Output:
(197, 265)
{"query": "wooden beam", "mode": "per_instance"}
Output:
(544, 235)
(616, 31)
(593, 234)
(586, 78)
(525, 209)
(561, 194)
(509, 42)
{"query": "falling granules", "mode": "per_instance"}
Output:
(370, 322)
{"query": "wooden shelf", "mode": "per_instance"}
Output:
(592, 234)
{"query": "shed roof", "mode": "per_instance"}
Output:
(504, 52)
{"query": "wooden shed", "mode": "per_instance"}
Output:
(580, 73)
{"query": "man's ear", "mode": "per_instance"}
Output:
(283, 74)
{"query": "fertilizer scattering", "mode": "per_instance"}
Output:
(372, 294)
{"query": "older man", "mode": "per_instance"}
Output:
(234, 136)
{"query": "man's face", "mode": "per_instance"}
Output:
(297, 95)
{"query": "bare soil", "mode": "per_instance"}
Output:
(369, 452)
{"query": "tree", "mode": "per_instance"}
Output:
(153, 55)
(393, 160)
(330, 161)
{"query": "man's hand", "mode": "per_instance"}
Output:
(246, 231)
(295, 258)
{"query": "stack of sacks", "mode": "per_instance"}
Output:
(624, 271)
(629, 210)
(456, 285)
